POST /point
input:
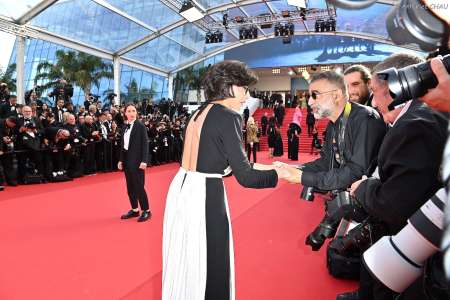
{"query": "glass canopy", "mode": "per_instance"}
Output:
(153, 34)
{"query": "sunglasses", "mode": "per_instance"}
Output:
(315, 94)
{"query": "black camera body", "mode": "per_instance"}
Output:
(307, 193)
(412, 81)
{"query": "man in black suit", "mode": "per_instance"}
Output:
(8, 134)
(59, 111)
(408, 167)
(9, 109)
(133, 160)
(26, 136)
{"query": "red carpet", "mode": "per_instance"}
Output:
(65, 241)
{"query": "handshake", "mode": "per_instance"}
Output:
(284, 171)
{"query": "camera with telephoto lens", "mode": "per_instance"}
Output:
(342, 205)
(358, 238)
(352, 4)
(411, 82)
(403, 255)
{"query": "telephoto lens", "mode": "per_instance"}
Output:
(412, 81)
(352, 4)
(397, 261)
(411, 22)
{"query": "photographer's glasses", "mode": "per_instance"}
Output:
(315, 94)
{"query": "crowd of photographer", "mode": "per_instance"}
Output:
(48, 144)
(385, 199)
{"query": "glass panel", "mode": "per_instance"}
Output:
(279, 6)
(213, 3)
(317, 4)
(15, 9)
(90, 23)
(234, 12)
(157, 85)
(189, 35)
(370, 20)
(146, 85)
(256, 9)
(124, 81)
(151, 12)
(162, 52)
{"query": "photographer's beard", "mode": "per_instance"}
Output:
(323, 110)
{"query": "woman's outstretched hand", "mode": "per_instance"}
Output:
(289, 173)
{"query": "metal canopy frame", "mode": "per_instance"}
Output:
(20, 27)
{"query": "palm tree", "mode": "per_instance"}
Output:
(7, 77)
(78, 68)
(193, 79)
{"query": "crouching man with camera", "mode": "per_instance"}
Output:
(408, 166)
(351, 144)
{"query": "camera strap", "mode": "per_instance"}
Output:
(341, 137)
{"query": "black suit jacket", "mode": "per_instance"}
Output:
(137, 148)
(408, 162)
(56, 114)
(6, 111)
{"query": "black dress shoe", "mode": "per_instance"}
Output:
(348, 296)
(145, 216)
(130, 214)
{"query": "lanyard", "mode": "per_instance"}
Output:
(341, 137)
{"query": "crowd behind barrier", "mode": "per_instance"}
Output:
(39, 143)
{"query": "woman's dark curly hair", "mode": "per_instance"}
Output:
(219, 79)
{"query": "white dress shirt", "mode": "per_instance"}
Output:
(126, 136)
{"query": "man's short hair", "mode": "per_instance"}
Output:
(398, 61)
(363, 70)
(332, 77)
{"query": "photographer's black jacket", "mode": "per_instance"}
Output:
(364, 133)
(408, 161)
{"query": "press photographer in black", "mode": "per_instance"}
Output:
(62, 90)
(8, 134)
(408, 167)
(9, 109)
(353, 137)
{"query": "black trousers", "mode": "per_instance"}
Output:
(135, 179)
(264, 130)
(9, 168)
(251, 149)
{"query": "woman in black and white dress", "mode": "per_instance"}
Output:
(198, 260)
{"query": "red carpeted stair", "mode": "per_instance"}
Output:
(305, 140)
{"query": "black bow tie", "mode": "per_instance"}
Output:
(127, 127)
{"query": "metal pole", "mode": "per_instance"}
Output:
(116, 65)
(20, 69)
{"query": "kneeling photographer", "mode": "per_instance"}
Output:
(351, 144)
(408, 162)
